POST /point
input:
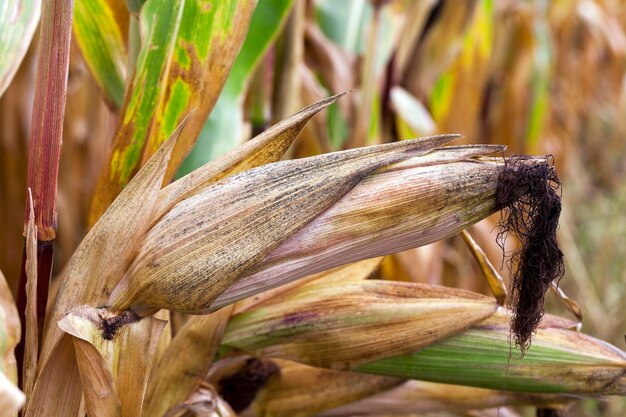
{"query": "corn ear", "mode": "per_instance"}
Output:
(408, 204)
(208, 241)
(418, 397)
(185, 363)
(302, 391)
(345, 324)
(559, 361)
(114, 358)
(267, 147)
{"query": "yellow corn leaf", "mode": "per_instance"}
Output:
(101, 32)
(11, 398)
(10, 331)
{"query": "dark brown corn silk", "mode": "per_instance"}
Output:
(529, 194)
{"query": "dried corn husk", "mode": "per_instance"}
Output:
(185, 363)
(114, 359)
(342, 325)
(302, 391)
(356, 271)
(559, 361)
(208, 241)
(409, 204)
(426, 397)
(269, 146)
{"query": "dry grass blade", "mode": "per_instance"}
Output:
(331, 325)
(418, 397)
(408, 204)
(302, 391)
(113, 349)
(208, 241)
(31, 348)
(106, 251)
(185, 363)
(269, 146)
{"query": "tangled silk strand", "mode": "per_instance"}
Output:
(533, 218)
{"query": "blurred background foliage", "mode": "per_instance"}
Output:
(542, 77)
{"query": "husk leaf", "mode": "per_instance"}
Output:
(406, 205)
(332, 325)
(58, 389)
(267, 147)
(302, 391)
(209, 240)
(122, 359)
(559, 361)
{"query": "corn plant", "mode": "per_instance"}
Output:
(221, 277)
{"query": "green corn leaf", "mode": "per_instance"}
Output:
(187, 51)
(224, 128)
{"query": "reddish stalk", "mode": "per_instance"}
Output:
(45, 148)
